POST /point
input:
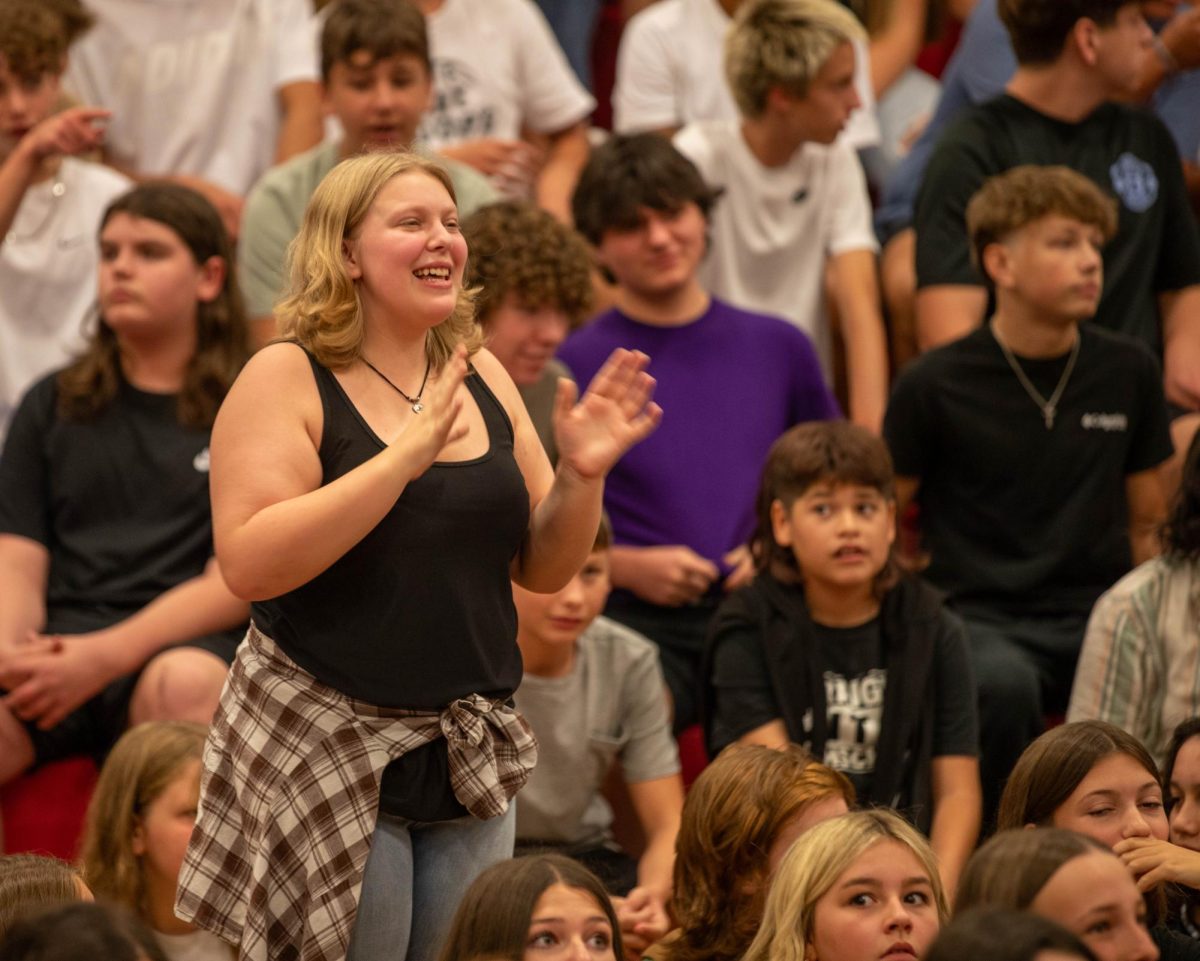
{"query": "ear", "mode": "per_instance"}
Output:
(137, 840)
(212, 279)
(350, 259)
(778, 100)
(780, 527)
(1085, 38)
(997, 264)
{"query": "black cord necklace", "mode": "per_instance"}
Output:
(417, 406)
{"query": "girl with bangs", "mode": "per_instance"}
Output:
(375, 520)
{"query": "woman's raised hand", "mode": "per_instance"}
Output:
(614, 413)
(438, 423)
(1154, 862)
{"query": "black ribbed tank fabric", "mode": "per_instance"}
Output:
(420, 611)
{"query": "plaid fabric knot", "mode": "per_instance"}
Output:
(492, 752)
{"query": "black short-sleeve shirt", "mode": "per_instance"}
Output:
(120, 502)
(1126, 150)
(1017, 518)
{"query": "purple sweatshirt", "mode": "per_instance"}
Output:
(729, 383)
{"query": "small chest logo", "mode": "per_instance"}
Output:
(1135, 182)
(200, 461)
(1105, 422)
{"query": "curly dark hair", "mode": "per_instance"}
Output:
(33, 40)
(520, 249)
(88, 385)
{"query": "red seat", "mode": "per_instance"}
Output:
(43, 811)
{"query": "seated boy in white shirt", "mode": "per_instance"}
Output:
(795, 198)
(593, 693)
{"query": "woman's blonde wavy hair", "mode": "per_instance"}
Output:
(322, 310)
(812, 866)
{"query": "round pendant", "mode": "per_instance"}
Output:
(418, 407)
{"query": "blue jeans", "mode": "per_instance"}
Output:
(415, 876)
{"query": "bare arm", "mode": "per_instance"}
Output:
(1180, 312)
(275, 526)
(24, 567)
(568, 152)
(300, 126)
(658, 804)
(895, 47)
(856, 289)
(957, 812)
(947, 312)
(1147, 509)
(69, 132)
(773, 734)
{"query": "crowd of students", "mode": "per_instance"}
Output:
(393, 468)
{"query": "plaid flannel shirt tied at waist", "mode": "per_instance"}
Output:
(290, 795)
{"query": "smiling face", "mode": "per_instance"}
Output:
(1094, 897)
(1117, 799)
(568, 925)
(660, 256)
(840, 534)
(149, 281)
(407, 256)
(881, 908)
(378, 102)
(1185, 795)
(524, 338)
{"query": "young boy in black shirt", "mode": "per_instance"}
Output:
(1032, 444)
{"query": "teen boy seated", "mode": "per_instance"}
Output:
(1031, 445)
(1075, 57)
(794, 196)
(376, 80)
(594, 694)
(534, 280)
(828, 647)
(50, 203)
(682, 502)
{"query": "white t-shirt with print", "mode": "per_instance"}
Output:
(498, 70)
(48, 265)
(774, 227)
(193, 84)
(671, 72)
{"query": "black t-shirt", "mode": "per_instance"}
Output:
(120, 502)
(856, 679)
(1020, 519)
(1126, 150)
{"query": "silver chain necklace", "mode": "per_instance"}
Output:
(1048, 407)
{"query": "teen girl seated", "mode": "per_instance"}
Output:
(859, 887)
(1001, 934)
(739, 818)
(138, 824)
(831, 648)
(536, 908)
(1094, 778)
(1067, 877)
(114, 611)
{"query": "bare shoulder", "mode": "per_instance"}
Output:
(275, 386)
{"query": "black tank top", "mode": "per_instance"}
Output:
(420, 611)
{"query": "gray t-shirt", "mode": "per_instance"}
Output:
(612, 705)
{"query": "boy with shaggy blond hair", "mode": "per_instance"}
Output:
(1033, 445)
(795, 198)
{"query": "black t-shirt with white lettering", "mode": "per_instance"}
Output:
(852, 662)
(1019, 519)
(1126, 150)
(120, 502)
